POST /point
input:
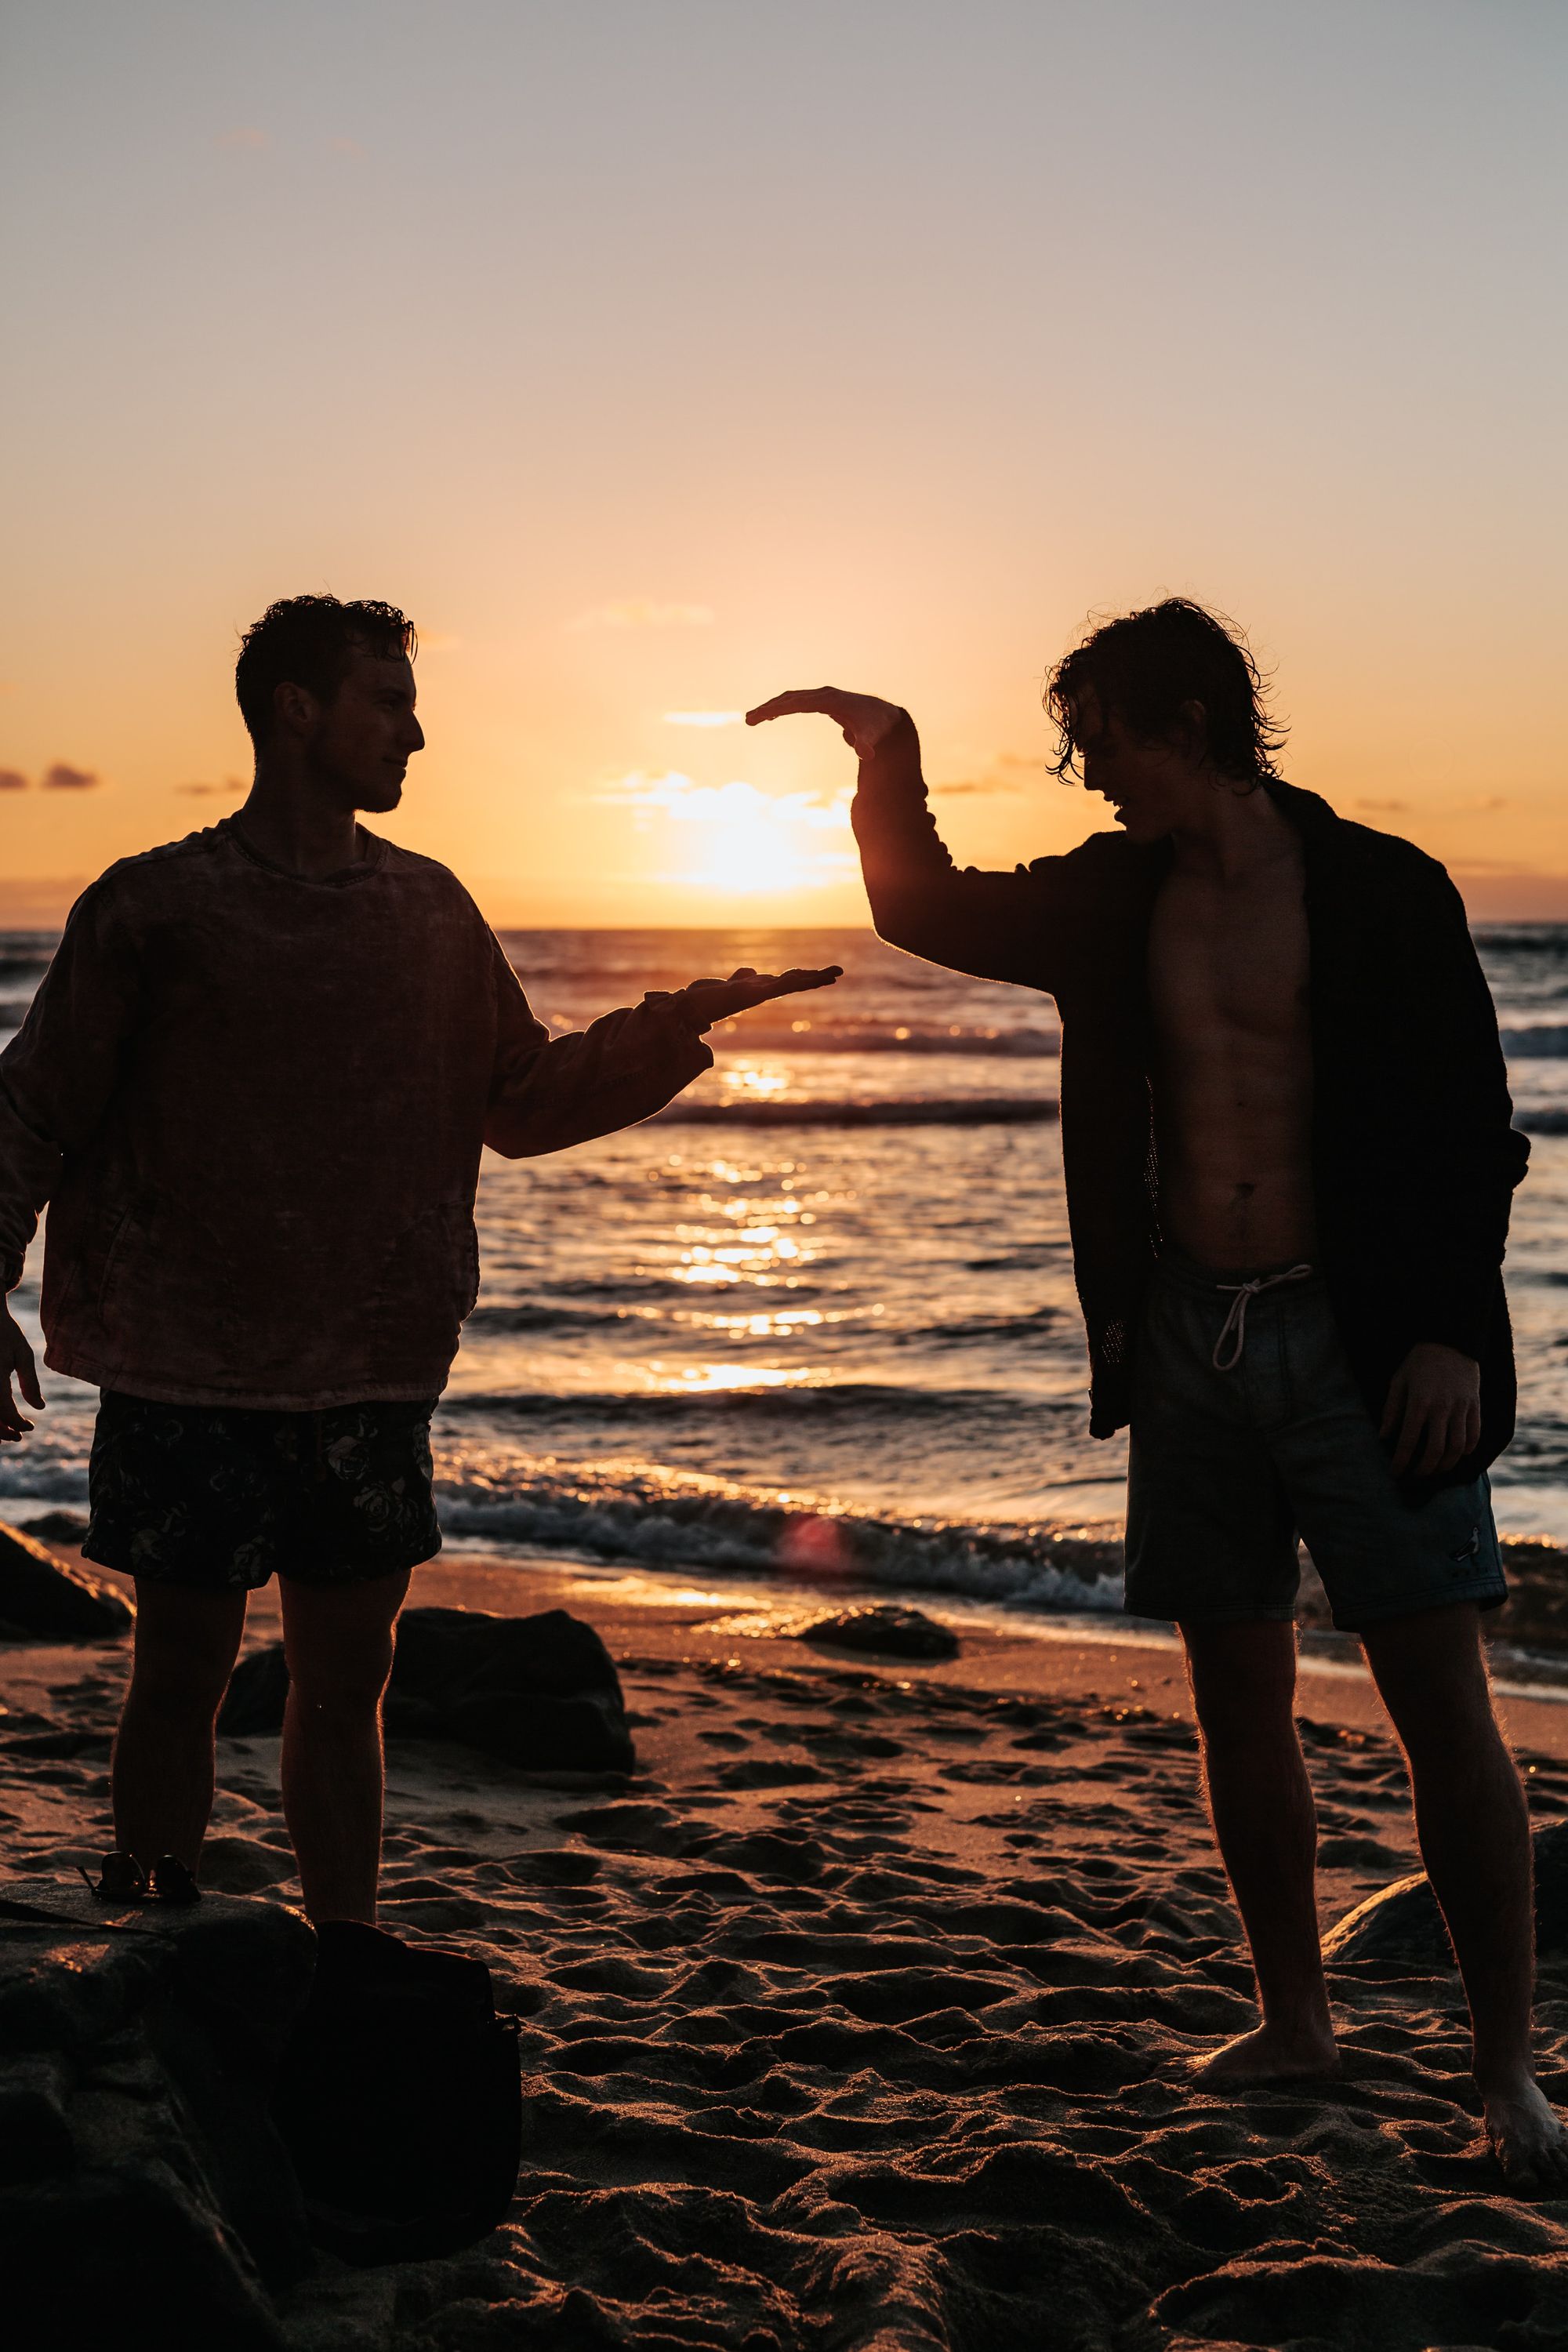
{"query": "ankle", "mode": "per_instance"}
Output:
(1306, 2021)
(1511, 2078)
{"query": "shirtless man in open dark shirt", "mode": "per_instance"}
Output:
(1289, 1156)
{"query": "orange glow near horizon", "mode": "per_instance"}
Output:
(685, 378)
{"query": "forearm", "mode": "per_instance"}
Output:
(59, 1073)
(30, 1170)
(998, 926)
(595, 1081)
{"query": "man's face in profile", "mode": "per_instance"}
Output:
(365, 737)
(1142, 779)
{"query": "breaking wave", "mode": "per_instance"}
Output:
(622, 1512)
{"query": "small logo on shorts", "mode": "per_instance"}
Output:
(1462, 1560)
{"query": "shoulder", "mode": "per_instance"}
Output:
(1106, 865)
(1362, 848)
(411, 866)
(430, 892)
(147, 875)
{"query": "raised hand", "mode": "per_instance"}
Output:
(703, 1001)
(865, 721)
(16, 1363)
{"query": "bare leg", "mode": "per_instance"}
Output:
(1244, 1680)
(338, 1639)
(162, 1777)
(1474, 1831)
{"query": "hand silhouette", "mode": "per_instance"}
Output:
(16, 1363)
(865, 721)
(703, 1001)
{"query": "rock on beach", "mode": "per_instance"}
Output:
(142, 2182)
(893, 1632)
(540, 1693)
(42, 1598)
(1401, 1928)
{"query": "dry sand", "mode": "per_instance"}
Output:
(860, 2016)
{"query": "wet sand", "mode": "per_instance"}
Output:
(861, 2016)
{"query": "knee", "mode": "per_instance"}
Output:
(346, 1691)
(182, 1695)
(1244, 1723)
(1463, 1742)
(1237, 1709)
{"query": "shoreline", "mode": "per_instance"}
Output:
(693, 1617)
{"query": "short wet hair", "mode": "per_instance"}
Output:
(311, 641)
(1143, 666)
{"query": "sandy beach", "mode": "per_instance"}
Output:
(859, 2017)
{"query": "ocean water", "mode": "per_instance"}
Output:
(819, 1320)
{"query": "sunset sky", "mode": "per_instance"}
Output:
(656, 355)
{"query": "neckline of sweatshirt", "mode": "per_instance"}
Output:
(372, 861)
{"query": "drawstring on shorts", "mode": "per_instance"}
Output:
(1234, 1328)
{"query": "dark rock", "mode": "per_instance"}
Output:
(258, 1689)
(127, 2257)
(40, 1595)
(539, 1692)
(897, 1633)
(1400, 1927)
(59, 1526)
(143, 2186)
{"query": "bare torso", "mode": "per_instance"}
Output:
(1233, 1078)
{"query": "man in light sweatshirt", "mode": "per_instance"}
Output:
(253, 1089)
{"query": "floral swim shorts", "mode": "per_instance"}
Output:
(221, 1496)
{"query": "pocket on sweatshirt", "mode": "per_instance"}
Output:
(430, 1278)
(128, 1229)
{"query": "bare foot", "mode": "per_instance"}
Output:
(1270, 2053)
(1528, 2140)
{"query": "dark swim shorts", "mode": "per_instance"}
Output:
(1247, 1430)
(219, 1497)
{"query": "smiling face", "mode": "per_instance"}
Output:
(1152, 785)
(359, 744)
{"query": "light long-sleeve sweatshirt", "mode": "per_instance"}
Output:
(255, 1105)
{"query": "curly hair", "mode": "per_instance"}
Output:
(1143, 666)
(311, 641)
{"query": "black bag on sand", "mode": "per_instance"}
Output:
(399, 2099)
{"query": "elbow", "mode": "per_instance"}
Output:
(517, 1139)
(895, 909)
(904, 923)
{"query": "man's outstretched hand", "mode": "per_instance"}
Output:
(703, 1001)
(867, 723)
(1433, 1410)
(16, 1363)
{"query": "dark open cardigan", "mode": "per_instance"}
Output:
(1414, 1156)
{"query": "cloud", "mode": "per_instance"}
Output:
(641, 613)
(703, 718)
(345, 147)
(981, 786)
(12, 779)
(246, 138)
(1384, 808)
(63, 779)
(230, 788)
